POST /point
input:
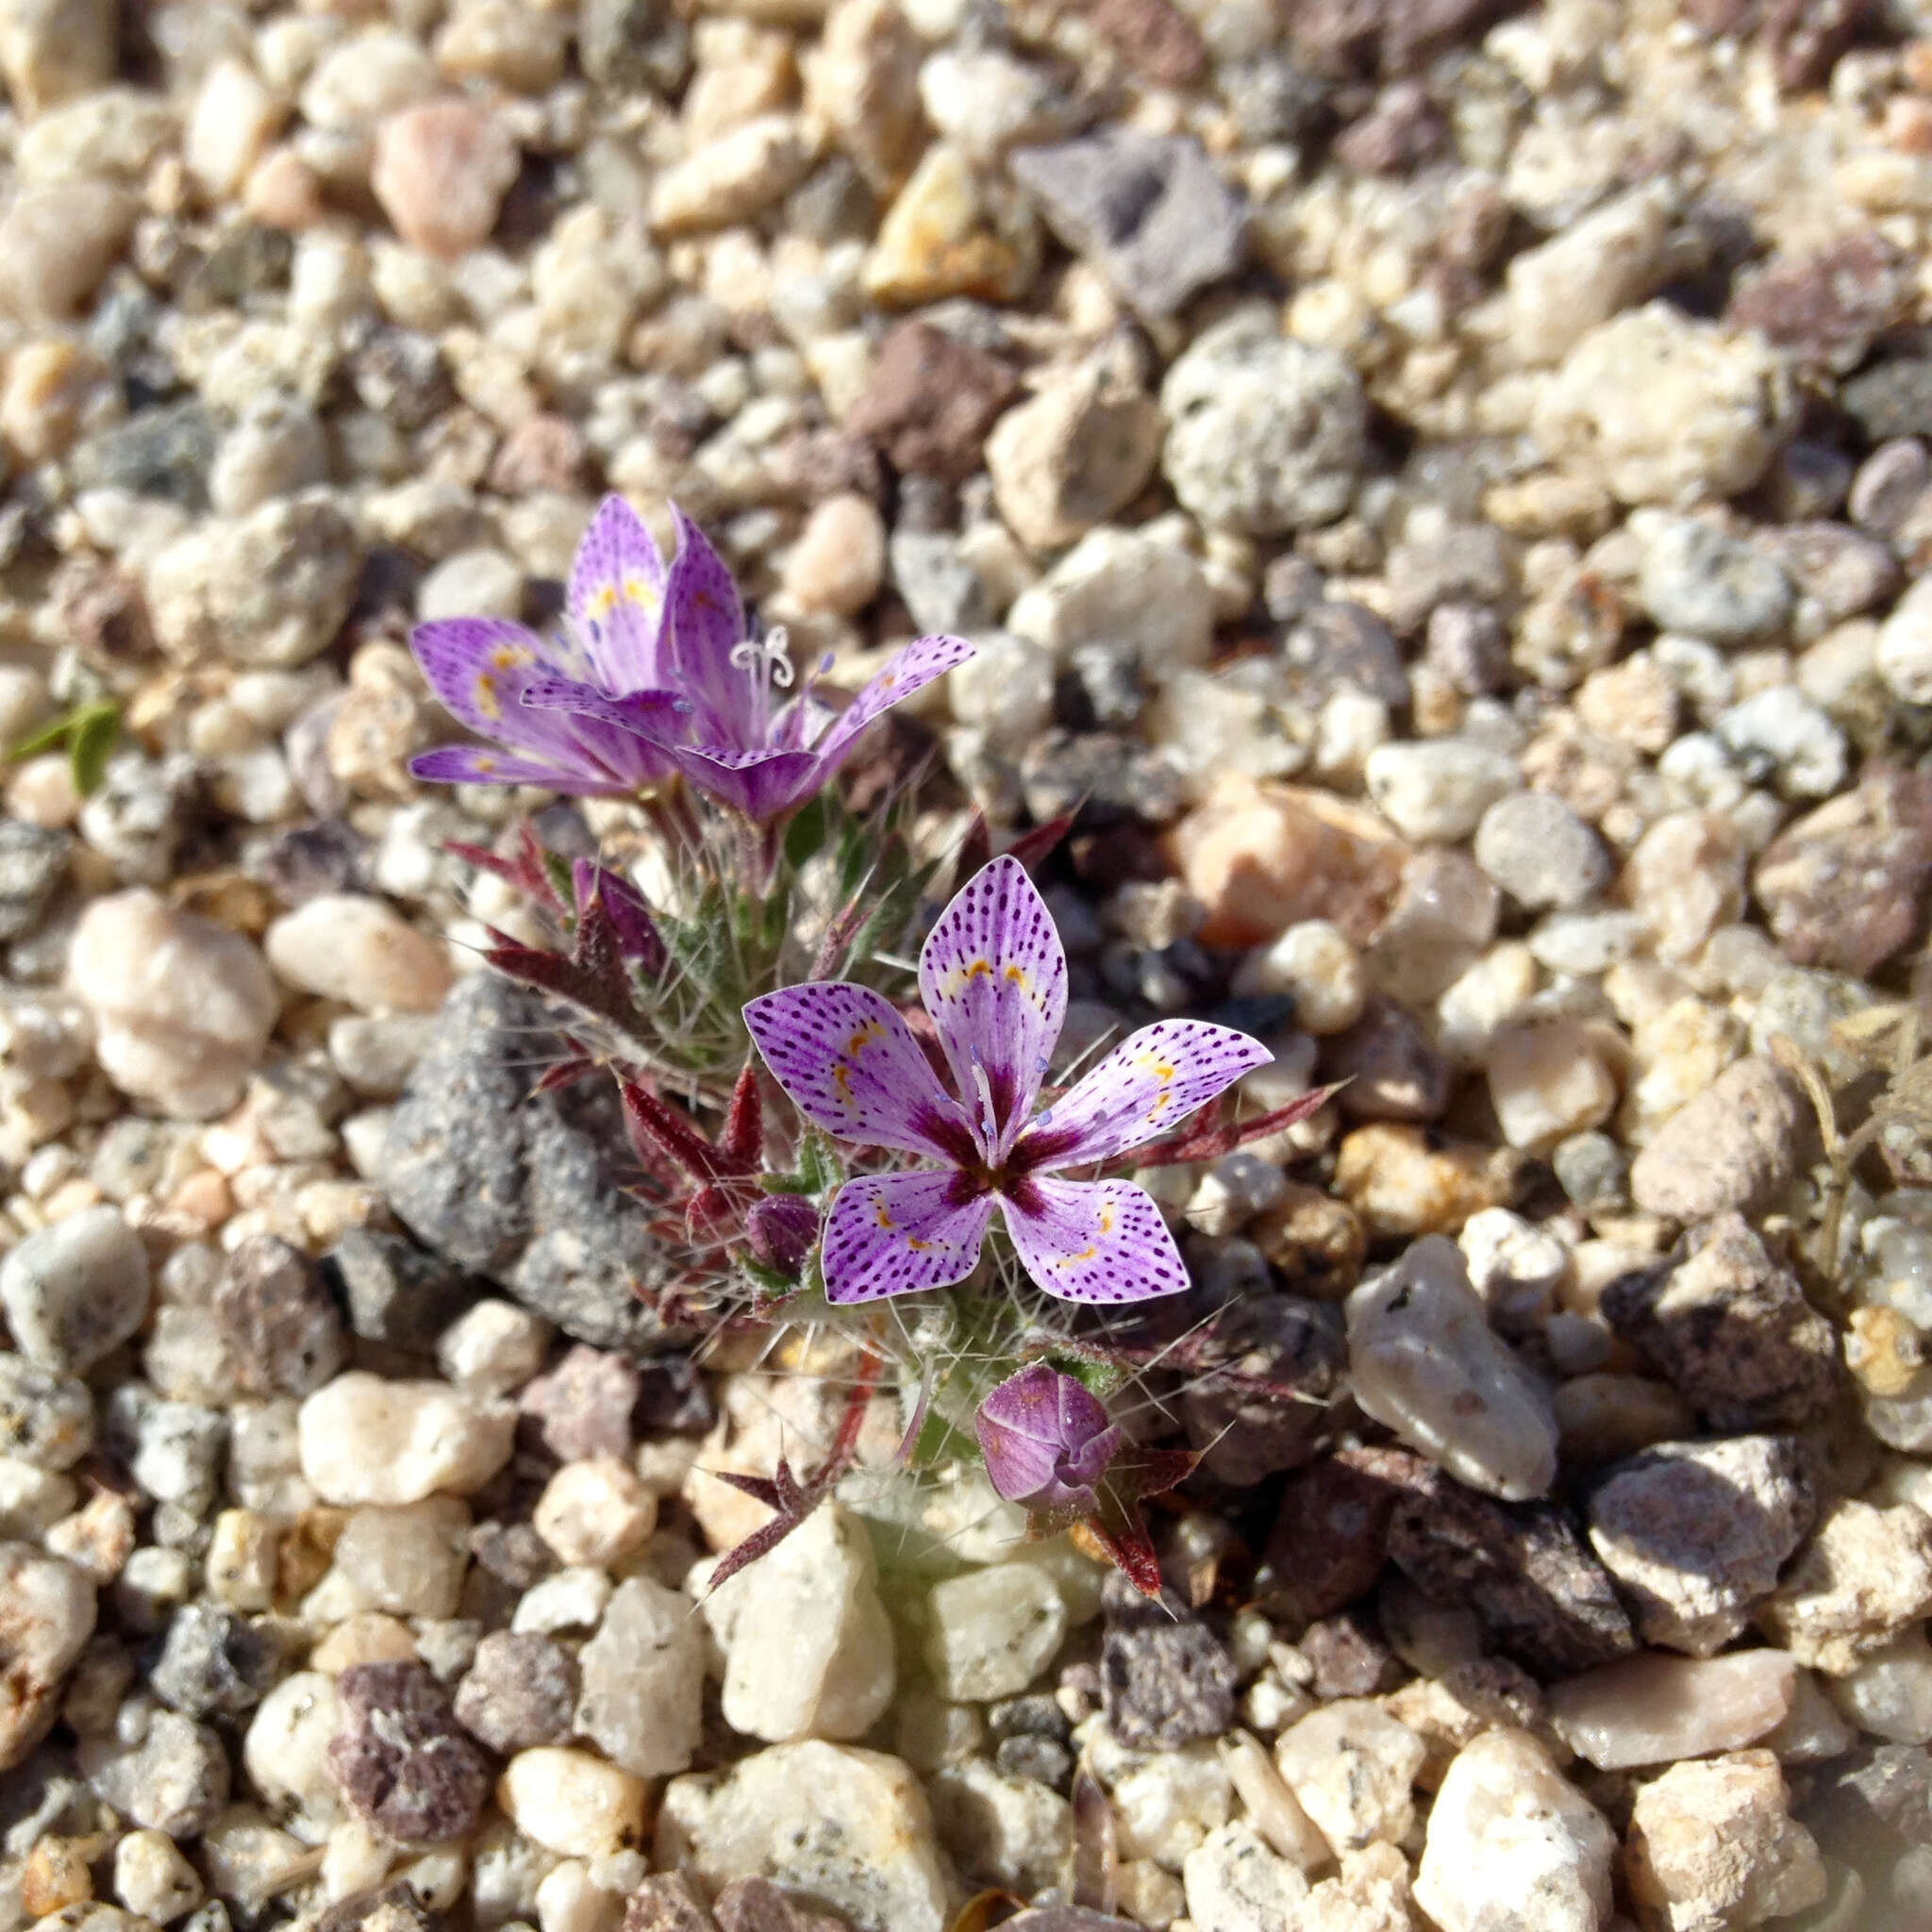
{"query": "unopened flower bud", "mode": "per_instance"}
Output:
(1046, 1438)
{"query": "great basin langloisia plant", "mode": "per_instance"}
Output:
(919, 1111)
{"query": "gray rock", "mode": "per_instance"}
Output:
(173, 1449)
(941, 589)
(518, 1692)
(1540, 852)
(172, 1776)
(141, 813)
(1165, 1678)
(214, 1663)
(1697, 579)
(1730, 1327)
(166, 451)
(1891, 399)
(75, 1290)
(1105, 777)
(1149, 208)
(519, 1186)
(1260, 1403)
(395, 1291)
(1696, 1532)
(33, 862)
(626, 45)
(1265, 435)
(46, 1417)
(1342, 646)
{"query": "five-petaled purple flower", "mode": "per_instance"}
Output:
(994, 980)
(654, 673)
(1047, 1438)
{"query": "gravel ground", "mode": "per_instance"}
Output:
(1439, 487)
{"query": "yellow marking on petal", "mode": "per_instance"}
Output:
(918, 1247)
(1086, 1254)
(604, 602)
(885, 1219)
(509, 657)
(841, 1080)
(869, 1030)
(641, 592)
(1107, 1217)
(487, 700)
(1018, 975)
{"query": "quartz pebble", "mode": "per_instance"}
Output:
(1652, 1710)
(182, 1008)
(572, 1803)
(1234, 1883)
(367, 1441)
(642, 1680)
(358, 951)
(1864, 1576)
(440, 171)
(410, 1558)
(1353, 1767)
(850, 1828)
(1423, 1361)
(594, 1512)
(993, 1632)
(46, 1616)
(1512, 1845)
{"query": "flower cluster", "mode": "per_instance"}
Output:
(655, 680)
(653, 674)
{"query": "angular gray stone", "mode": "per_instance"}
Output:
(1149, 208)
(518, 1186)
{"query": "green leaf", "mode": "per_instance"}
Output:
(806, 833)
(88, 730)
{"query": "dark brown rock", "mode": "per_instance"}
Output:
(1157, 40)
(1843, 887)
(1542, 1595)
(583, 1407)
(401, 1759)
(1805, 36)
(1260, 1402)
(520, 1692)
(1392, 1072)
(280, 1321)
(1165, 1678)
(1391, 37)
(756, 1904)
(395, 1909)
(930, 401)
(1402, 130)
(1729, 1327)
(666, 1903)
(1330, 1537)
(1827, 306)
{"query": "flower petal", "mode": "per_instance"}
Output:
(851, 1064)
(1093, 1241)
(478, 666)
(1047, 1439)
(1149, 1083)
(918, 664)
(706, 624)
(994, 977)
(896, 1233)
(477, 764)
(617, 598)
(760, 785)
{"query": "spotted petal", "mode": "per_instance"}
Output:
(851, 1064)
(918, 664)
(759, 785)
(1148, 1084)
(994, 977)
(479, 667)
(617, 598)
(897, 1233)
(705, 625)
(1093, 1241)
(479, 764)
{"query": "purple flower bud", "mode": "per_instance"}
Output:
(780, 1229)
(623, 906)
(1047, 1439)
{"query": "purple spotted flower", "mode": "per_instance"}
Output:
(1047, 1440)
(654, 674)
(994, 980)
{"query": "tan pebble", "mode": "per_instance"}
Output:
(204, 1198)
(55, 1877)
(97, 1538)
(283, 192)
(949, 234)
(1406, 1180)
(52, 390)
(572, 1803)
(42, 791)
(440, 171)
(839, 557)
(1883, 1350)
(369, 1637)
(594, 1512)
